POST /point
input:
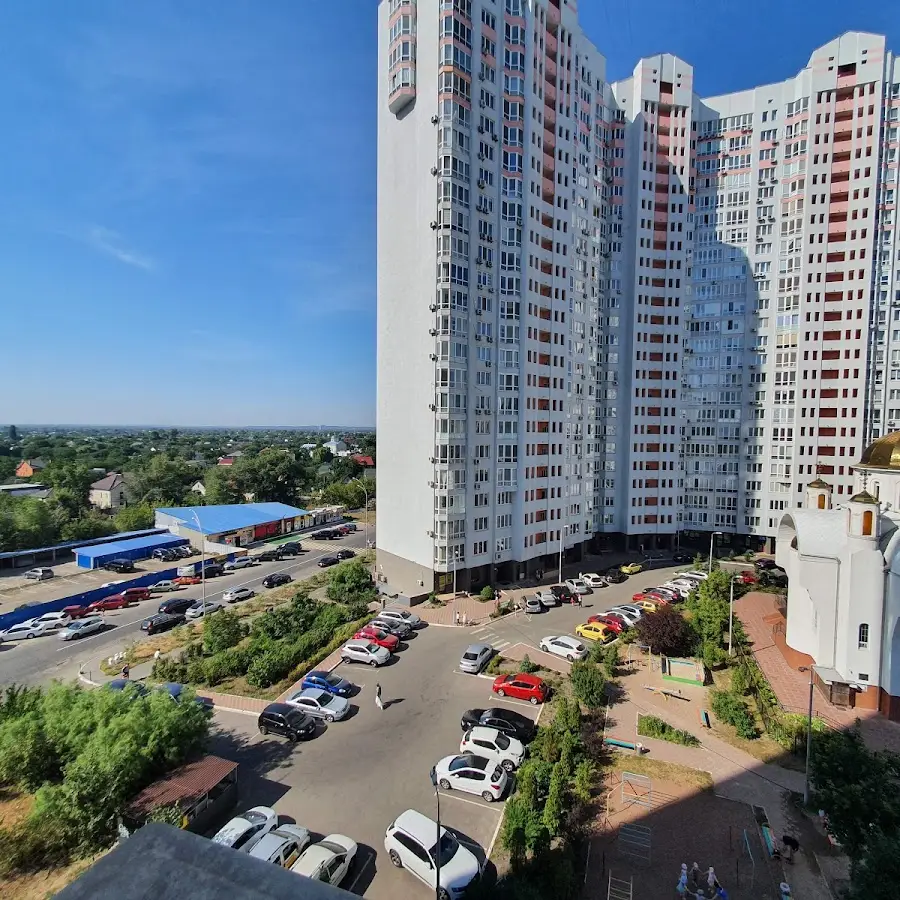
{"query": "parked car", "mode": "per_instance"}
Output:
(165, 554)
(285, 551)
(135, 594)
(241, 562)
(630, 616)
(562, 593)
(327, 561)
(276, 579)
(294, 547)
(631, 568)
(613, 623)
(631, 608)
(475, 658)
(200, 608)
(175, 605)
(267, 556)
(329, 860)
(521, 686)
(165, 585)
(162, 622)
(377, 636)
(399, 629)
(765, 564)
(327, 681)
(507, 721)
(321, 535)
(319, 704)
(41, 573)
(114, 601)
(593, 580)
(364, 651)
(351, 526)
(23, 631)
(124, 685)
(213, 570)
(178, 693)
(76, 611)
(282, 846)
(647, 604)
(614, 576)
(185, 550)
(569, 648)
(472, 774)
(596, 631)
(410, 843)
(119, 565)
(186, 580)
(403, 615)
(577, 586)
(279, 718)
(81, 628)
(345, 554)
(682, 590)
(238, 593)
(547, 598)
(660, 596)
(52, 621)
(245, 831)
(746, 577)
(532, 604)
(681, 558)
(491, 742)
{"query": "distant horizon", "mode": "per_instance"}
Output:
(169, 427)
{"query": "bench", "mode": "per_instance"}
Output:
(769, 841)
(704, 719)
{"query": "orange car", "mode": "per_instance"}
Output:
(187, 579)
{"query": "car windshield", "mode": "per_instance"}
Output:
(470, 655)
(333, 680)
(502, 741)
(445, 850)
(372, 648)
(254, 817)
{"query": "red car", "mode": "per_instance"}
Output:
(116, 601)
(521, 686)
(132, 595)
(377, 636)
(76, 612)
(658, 597)
(188, 579)
(747, 577)
(611, 622)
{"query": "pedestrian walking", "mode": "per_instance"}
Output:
(378, 701)
(711, 879)
(791, 846)
(126, 671)
(465, 619)
(383, 601)
(456, 617)
(157, 654)
(695, 874)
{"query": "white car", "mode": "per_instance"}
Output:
(492, 742)
(39, 574)
(23, 631)
(81, 628)
(242, 562)
(410, 844)
(632, 608)
(688, 584)
(359, 650)
(577, 586)
(327, 861)
(165, 585)
(200, 609)
(401, 615)
(679, 588)
(240, 593)
(52, 621)
(282, 846)
(629, 615)
(474, 774)
(564, 645)
(592, 579)
(319, 704)
(244, 832)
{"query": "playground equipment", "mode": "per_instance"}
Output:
(619, 888)
(624, 745)
(635, 841)
(666, 692)
(636, 789)
(686, 671)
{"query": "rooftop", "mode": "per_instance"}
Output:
(152, 540)
(108, 483)
(186, 783)
(229, 517)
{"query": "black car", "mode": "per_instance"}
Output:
(392, 626)
(766, 564)
(345, 554)
(214, 569)
(185, 551)
(506, 720)
(275, 579)
(327, 561)
(289, 722)
(268, 556)
(162, 622)
(292, 547)
(562, 593)
(165, 554)
(614, 576)
(119, 565)
(321, 535)
(682, 558)
(176, 605)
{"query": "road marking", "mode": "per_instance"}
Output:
(496, 806)
(501, 645)
(524, 703)
(370, 857)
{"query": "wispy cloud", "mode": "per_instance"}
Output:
(111, 243)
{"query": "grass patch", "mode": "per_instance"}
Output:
(653, 727)
(45, 883)
(665, 771)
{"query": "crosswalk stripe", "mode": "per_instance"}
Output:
(501, 645)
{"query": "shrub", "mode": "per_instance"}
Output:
(487, 594)
(666, 631)
(749, 556)
(732, 710)
(588, 684)
(527, 666)
(610, 660)
(223, 631)
(493, 666)
(272, 666)
(351, 582)
(740, 681)
(584, 780)
(651, 726)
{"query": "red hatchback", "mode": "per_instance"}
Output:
(76, 612)
(658, 597)
(116, 601)
(132, 595)
(611, 622)
(521, 686)
(747, 577)
(377, 636)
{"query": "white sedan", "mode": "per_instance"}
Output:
(482, 775)
(577, 586)
(592, 579)
(483, 741)
(200, 609)
(327, 861)
(242, 562)
(23, 631)
(239, 593)
(564, 645)
(52, 621)
(629, 615)
(244, 832)
(81, 628)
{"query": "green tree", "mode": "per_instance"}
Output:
(222, 631)
(134, 518)
(709, 606)
(666, 631)
(163, 480)
(351, 583)
(74, 477)
(589, 684)
(8, 467)
(555, 805)
(876, 874)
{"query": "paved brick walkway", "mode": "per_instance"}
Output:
(474, 610)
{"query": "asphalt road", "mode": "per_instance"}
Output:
(356, 776)
(44, 658)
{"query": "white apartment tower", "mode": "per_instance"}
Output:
(604, 309)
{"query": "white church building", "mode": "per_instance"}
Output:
(843, 565)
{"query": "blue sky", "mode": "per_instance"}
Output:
(187, 225)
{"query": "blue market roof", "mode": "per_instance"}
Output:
(216, 519)
(115, 547)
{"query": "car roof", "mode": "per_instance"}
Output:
(232, 830)
(420, 827)
(498, 712)
(477, 648)
(526, 677)
(312, 857)
(279, 708)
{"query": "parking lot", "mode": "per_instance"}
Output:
(357, 775)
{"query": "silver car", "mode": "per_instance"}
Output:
(199, 609)
(401, 615)
(23, 631)
(475, 658)
(319, 704)
(239, 593)
(359, 650)
(393, 626)
(81, 628)
(242, 562)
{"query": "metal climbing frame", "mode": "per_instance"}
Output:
(635, 841)
(619, 889)
(636, 789)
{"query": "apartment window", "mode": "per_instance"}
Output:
(863, 636)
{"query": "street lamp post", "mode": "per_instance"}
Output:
(437, 858)
(366, 492)
(562, 531)
(712, 540)
(202, 563)
(811, 669)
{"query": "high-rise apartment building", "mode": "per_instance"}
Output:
(618, 312)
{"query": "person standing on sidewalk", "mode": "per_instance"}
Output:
(378, 701)
(126, 671)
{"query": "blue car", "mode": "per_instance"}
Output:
(326, 681)
(122, 684)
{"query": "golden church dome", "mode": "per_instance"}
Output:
(883, 453)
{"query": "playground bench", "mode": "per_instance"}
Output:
(769, 841)
(704, 719)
